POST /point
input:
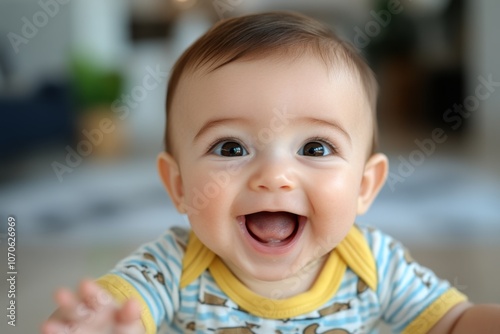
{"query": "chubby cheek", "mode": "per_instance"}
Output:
(207, 185)
(207, 218)
(334, 206)
(207, 204)
(202, 197)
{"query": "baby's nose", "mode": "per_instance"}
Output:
(273, 176)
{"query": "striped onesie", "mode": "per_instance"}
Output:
(368, 278)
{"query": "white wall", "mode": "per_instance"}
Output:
(93, 27)
(100, 29)
(44, 53)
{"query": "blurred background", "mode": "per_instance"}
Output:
(82, 90)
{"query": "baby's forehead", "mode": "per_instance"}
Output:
(236, 85)
(265, 65)
(339, 69)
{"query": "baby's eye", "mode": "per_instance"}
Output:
(229, 149)
(316, 149)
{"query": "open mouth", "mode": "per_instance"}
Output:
(272, 229)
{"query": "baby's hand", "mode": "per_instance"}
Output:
(92, 311)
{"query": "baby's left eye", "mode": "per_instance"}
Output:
(316, 149)
(229, 149)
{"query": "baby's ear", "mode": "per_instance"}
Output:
(171, 178)
(374, 176)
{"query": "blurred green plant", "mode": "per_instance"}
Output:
(94, 86)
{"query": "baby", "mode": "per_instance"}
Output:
(271, 154)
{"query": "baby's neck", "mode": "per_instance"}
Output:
(291, 286)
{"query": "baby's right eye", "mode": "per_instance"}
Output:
(229, 149)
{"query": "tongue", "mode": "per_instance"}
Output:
(271, 227)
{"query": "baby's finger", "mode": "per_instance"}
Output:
(51, 327)
(128, 318)
(129, 312)
(94, 296)
(54, 327)
(71, 308)
(69, 305)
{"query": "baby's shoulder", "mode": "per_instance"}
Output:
(382, 245)
(174, 239)
(179, 234)
(374, 235)
(169, 245)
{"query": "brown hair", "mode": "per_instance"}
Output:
(256, 36)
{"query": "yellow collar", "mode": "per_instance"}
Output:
(352, 252)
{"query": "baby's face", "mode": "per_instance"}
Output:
(271, 156)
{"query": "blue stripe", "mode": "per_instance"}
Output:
(170, 257)
(214, 316)
(369, 307)
(193, 287)
(190, 297)
(409, 299)
(215, 290)
(187, 310)
(384, 260)
(348, 283)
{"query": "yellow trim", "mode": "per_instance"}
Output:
(121, 291)
(323, 289)
(434, 312)
(195, 261)
(356, 253)
(353, 251)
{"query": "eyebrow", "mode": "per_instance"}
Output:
(312, 120)
(327, 123)
(213, 124)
